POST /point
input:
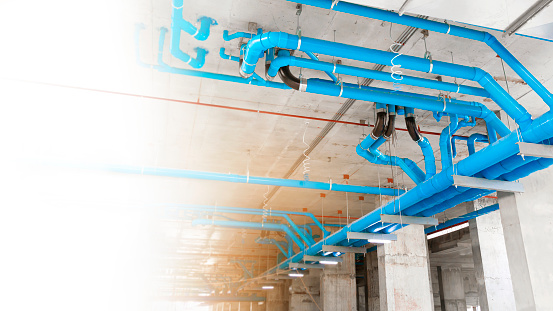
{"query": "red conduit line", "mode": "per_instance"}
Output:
(490, 196)
(218, 106)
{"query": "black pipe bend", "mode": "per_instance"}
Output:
(391, 126)
(412, 128)
(380, 125)
(288, 78)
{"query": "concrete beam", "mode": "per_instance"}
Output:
(410, 220)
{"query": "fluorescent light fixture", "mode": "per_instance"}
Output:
(446, 231)
(295, 275)
(379, 241)
(327, 262)
(327, 253)
(267, 287)
(203, 294)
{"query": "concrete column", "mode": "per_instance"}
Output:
(454, 289)
(278, 297)
(303, 291)
(338, 286)
(527, 220)
(491, 266)
(373, 292)
(404, 274)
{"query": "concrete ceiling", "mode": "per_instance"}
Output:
(176, 135)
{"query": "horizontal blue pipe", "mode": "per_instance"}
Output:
(463, 218)
(180, 173)
(268, 40)
(249, 225)
(440, 27)
(406, 99)
(328, 73)
(372, 74)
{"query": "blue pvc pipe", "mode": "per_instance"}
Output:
(228, 37)
(250, 225)
(315, 58)
(429, 160)
(162, 67)
(406, 99)
(286, 60)
(283, 40)
(444, 28)
(280, 244)
(246, 210)
(372, 155)
(178, 23)
(179, 173)
(463, 218)
(476, 137)
(445, 141)
(306, 238)
(197, 62)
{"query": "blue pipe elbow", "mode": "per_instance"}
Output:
(429, 159)
(228, 37)
(179, 23)
(476, 137)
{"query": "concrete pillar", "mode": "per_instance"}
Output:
(491, 266)
(373, 292)
(404, 274)
(454, 289)
(305, 292)
(527, 220)
(278, 297)
(338, 286)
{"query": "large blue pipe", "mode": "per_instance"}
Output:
(249, 225)
(444, 28)
(268, 40)
(330, 68)
(463, 218)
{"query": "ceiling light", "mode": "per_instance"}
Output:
(203, 294)
(379, 241)
(267, 287)
(327, 262)
(446, 231)
(295, 275)
(327, 253)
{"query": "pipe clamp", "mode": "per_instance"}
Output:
(299, 43)
(341, 89)
(303, 85)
